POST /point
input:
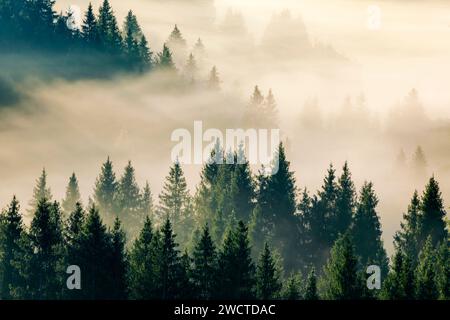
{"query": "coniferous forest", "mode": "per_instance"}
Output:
(240, 237)
(241, 234)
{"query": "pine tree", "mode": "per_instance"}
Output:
(366, 230)
(400, 282)
(282, 206)
(145, 55)
(341, 281)
(46, 241)
(175, 201)
(268, 284)
(142, 281)
(41, 16)
(327, 204)
(108, 30)
(11, 231)
(408, 238)
(128, 198)
(169, 263)
(176, 38)
(426, 273)
(89, 27)
(345, 201)
(191, 69)
(73, 235)
(236, 266)
(165, 60)
(214, 79)
(72, 195)
(292, 289)
(119, 262)
(311, 286)
(242, 191)
(105, 189)
(204, 270)
(95, 258)
(40, 191)
(146, 209)
(131, 26)
(270, 111)
(443, 271)
(432, 214)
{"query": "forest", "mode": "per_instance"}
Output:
(240, 237)
(241, 233)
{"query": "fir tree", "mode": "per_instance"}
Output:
(89, 27)
(204, 270)
(292, 289)
(131, 26)
(270, 111)
(165, 60)
(119, 263)
(400, 282)
(426, 273)
(443, 270)
(128, 198)
(146, 202)
(311, 286)
(143, 265)
(432, 214)
(341, 279)
(72, 195)
(268, 284)
(214, 79)
(366, 230)
(191, 69)
(236, 266)
(40, 191)
(145, 55)
(11, 232)
(105, 189)
(345, 201)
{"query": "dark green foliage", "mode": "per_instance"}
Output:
(366, 231)
(105, 189)
(432, 214)
(235, 265)
(345, 201)
(427, 288)
(204, 266)
(443, 271)
(400, 282)
(118, 264)
(165, 60)
(341, 280)
(72, 195)
(142, 280)
(311, 286)
(11, 232)
(89, 28)
(292, 288)
(268, 284)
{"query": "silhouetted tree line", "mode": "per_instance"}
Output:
(30, 26)
(239, 237)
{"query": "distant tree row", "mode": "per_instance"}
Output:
(240, 237)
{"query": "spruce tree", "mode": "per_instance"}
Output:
(366, 230)
(46, 240)
(236, 266)
(408, 238)
(175, 202)
(191, 69)
(40, 191)
(11, 232)
(72, 195)
(345, 201)
(105, 189)
(131, 26)
(204, 269)
(118, 263)
(145, 55)
(214, 79)
(142, 281)
(89, 27)
(340, 280)
(443, 271)
(165, 60)
(292, 289)
(427, 288)
(400, 282)
(128, 198)
(432, 214)
(327, 205)
(311, 286)
(146, 208)
(95, 258)
(268, 284)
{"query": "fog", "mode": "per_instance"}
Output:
(319, 57)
